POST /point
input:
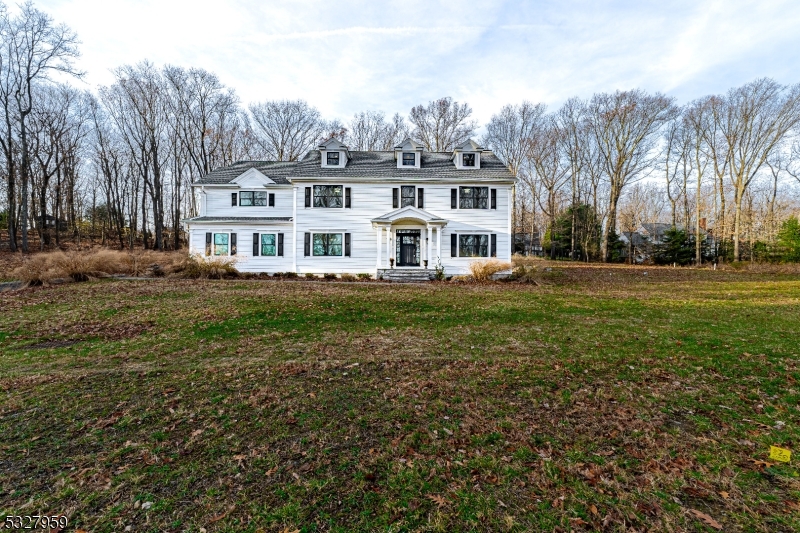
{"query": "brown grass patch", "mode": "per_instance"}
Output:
(483, 270)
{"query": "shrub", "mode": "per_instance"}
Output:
(309, 275)
(348, 277)
(438, 271)
(215, 267)
(364, 275)
(37, 270)
(525, 274)
(290, 275)
(328, 276)
(484, 270)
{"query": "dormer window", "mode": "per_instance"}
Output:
(468, 160)
(333, 159)
(409, 159)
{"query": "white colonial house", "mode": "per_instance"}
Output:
(341, 211)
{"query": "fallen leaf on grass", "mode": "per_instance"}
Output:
(593, 509)
(707, 520)
(724, 494)
(794, 506)
(440, 501)
(223, 515)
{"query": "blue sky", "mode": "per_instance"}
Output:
(345, 57)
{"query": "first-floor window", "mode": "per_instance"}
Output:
(473, 246)
(269, 244)
(221, 244)
(328, 244)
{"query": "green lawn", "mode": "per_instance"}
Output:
(602, 399)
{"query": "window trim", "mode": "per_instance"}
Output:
(266, 198)
(214, 244)
(314, 196)
(328, 154)
(488, 245)
(314, 233)
(261, 243)
(460, 196)
(413, 196)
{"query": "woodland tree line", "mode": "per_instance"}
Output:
(117, 164)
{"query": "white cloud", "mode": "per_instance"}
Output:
(348, 56)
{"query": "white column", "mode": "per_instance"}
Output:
(439, 243)
(429, 251)
(378, 232)
(388, 245)
(294, 229)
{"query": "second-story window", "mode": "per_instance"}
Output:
(407, 196)
(473, 197)
(248, 198)
(409, 159)
(333, 159)
(327, 196)
(468, 160)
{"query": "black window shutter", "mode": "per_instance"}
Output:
(308, 196)
(453, 245)
(233, 244)
(272, 199)
(395, 198)
(420, 198)
(255, 244)
(307, 244)
(208, 243)
(347, 244)
(233, 199)
(494, 198)
(453, 198)
(493, 252)
(347, 197)
(280, 244)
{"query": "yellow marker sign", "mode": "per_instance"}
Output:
(780, 454)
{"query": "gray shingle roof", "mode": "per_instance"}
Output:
(384, 165)
(239, 219)
(377, 165)
(277, 171)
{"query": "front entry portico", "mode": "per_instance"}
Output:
(408, 235)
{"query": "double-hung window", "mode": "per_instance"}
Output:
(467, 160)
(473, 246)
(409, 159)
(328, 195)
(252, 198)
(221, 243)
(408, 194)
(269, 244)
(473, 197)
(333, 159)
(327, 244)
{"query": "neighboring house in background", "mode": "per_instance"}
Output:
(342, 211)
(646, 236)
(50, 222)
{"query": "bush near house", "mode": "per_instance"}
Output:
(484, 269)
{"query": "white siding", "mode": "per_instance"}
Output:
(219, 203)
(245, 262)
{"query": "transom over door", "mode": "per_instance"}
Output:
(408, 247)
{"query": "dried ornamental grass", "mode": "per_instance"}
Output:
(483, 270)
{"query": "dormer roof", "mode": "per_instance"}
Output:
(408, 145)
(333, 144)
(468, 146)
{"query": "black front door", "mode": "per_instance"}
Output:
(408, 247)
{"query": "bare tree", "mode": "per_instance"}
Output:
(756, 118)
(285, 130)
(625, 126)
(696, 119)
(369, 130)
(442, 124)
(36, 47)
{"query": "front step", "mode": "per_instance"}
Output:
(405, 275)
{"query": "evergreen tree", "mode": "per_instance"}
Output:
(789, 240)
